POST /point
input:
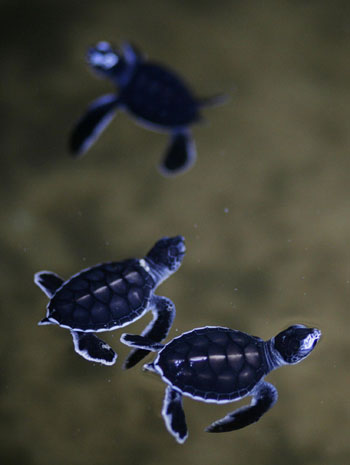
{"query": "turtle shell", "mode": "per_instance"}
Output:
(158, 96)
(213, 364)
(104, 297)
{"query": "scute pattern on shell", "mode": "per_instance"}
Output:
(102, 297)
(215, 364)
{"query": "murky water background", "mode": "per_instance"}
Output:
(265, 212)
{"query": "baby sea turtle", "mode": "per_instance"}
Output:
(112, 295)
(154, 95)
(220, 365)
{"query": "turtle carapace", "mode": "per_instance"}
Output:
(154, 95)
(111, 295)
(221, 365)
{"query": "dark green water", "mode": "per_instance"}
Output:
(265, 212)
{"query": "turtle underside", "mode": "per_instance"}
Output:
(214, 364)
(158, 96)
(103, 297)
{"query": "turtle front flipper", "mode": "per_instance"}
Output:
(180, 155)
(163, 317)
(48, 282)
(264, 397)
(93, 349)
(174, 415)
(96, 118)
(131, 53)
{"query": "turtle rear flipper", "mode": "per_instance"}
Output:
(263, 399)
(141, 342)
(96, 118)
(93, 349)
(48, 282)
(174, 415)
(156, 331)
(180, 155)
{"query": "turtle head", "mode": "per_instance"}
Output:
(295, 343)
(105, 60)
(166, 256)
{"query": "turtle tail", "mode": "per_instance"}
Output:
(45, 321)
(214, 101)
